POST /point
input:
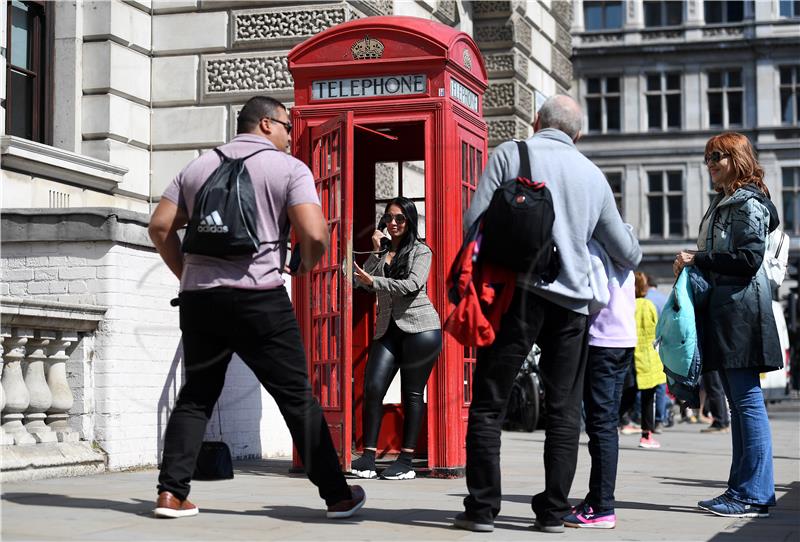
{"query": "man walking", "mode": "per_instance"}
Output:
(239, 305)
(553, 315)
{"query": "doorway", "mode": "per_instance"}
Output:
(388, 162)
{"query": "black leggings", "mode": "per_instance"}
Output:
(413, 354)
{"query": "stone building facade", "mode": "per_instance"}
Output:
(657, 79)
(103, 103)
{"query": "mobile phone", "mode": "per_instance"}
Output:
(294, 261)
(385, 242)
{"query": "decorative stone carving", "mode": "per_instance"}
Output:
(562, 12)
(40, 396)
(562, 67)
(563, 40)
(493, 33)
(247, 73)
(499, 95)
(17, 396)
(58, 414)
(523, 33)
(254, 26)
(662, 35)
(485, 10)
(523, 129)
(502, 130)
(723, 31)
(447, 12)
(605, 37)
(499, 63)
(524, 101)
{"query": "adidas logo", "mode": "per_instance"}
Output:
(212, 224)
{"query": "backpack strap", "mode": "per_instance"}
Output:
(223, 157)
(524, 160)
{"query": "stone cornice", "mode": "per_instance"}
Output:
(50, 315)
(40, 160)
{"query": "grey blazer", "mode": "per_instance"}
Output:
(405, 300)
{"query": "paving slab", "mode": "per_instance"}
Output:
(657, 491)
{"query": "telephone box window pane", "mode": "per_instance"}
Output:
(656, 216)
(414, 179)
(464, 173)
(21, 115)
(478, 163)
(387, 180)
(421, 212)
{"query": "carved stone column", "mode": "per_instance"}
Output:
(17, 396)
(58, 415)
(40, 396)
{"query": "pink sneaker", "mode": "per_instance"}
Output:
(649, 442)
(583, 517)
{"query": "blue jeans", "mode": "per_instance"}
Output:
(751, 478)
(661, 403)
(602, 390)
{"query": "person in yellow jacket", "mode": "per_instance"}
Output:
(649, 370)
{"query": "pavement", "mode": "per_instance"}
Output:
(657, 491)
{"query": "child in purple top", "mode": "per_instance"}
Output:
(612, 338)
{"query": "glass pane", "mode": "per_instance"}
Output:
(21, 29)
(414, 179)
(421, 212)
(594, 114)
(656, 216)
(713, 11)
(593, 85)
(464, 177)
(387, 180)
(714, 79)
(652, 13)
(786, 8)
(674, 181)
(786, 75)
(735, 10)
(20, 91)
(675, 210)
(788, 176)
(674, 110)
(593, 15)
(612, 84)
(612, 114)
(654, 183)
(735, 78)
(789, 206)
(654, 112)
(673, 81)
(613, 15)
(715, 108)
(614, 181)
(478, 163)
(787, 106)
(734, 108)
(654, 82)
(674, 12)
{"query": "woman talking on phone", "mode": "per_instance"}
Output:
(408, 334)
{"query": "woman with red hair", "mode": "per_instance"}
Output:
(738, 331)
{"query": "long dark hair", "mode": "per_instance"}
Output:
(400, 267)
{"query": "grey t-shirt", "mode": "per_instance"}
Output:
(280, 181)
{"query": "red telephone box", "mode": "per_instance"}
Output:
(386, 107)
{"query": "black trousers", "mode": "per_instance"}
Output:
(561, 334)
(606, 370)
(716, 399)
(648, 400)
(413, 354)
(259, 326)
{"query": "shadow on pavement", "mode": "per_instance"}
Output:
(138, 507)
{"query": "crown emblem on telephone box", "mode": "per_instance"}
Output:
(367, 48)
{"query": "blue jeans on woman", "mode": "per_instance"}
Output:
(751, 478)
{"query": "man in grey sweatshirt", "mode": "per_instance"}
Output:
(553, 315)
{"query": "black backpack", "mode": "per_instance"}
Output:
(224, 220)
(518, 226)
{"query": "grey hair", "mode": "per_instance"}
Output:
(562, 113)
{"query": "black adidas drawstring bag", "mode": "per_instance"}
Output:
(224, 220)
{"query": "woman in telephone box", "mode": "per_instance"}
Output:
(408, 336)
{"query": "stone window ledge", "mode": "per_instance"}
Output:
(50, 315)
(40, 160)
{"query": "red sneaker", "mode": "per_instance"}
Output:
(170, 506)
(347, 507)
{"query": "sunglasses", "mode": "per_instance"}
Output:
(398, 219)
(287, 125)
(715, 156)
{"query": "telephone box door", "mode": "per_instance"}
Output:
(329, 285)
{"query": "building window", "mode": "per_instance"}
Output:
(725, 98)
(791, 199)
(665, 203)
(724, 11)
(599, 15)
(663, 13)
(790, 8)
(27, 70)
(790, 89)
(614, 179)
(603, 104)
(663, 101)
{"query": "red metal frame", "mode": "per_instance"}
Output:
(411, 46)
